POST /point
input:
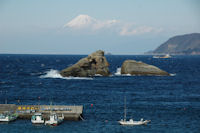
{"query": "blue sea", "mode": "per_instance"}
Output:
(172, 103)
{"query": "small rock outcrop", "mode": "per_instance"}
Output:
(95, 63)
(139, 68)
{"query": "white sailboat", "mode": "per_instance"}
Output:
(37, 118)
(131, 121)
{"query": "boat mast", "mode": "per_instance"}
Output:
(125, 108)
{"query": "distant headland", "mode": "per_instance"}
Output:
(188, 44)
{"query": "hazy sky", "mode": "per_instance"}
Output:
(83, 26)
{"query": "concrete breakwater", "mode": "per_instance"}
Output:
(26, 111)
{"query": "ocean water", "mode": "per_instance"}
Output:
(172, 103)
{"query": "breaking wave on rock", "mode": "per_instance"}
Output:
(118, 73)
(55, 74)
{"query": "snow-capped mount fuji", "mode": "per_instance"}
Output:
(87, 22)
(81, 21)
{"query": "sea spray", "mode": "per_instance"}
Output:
(118, 71)
(55, 74)
(51, 74)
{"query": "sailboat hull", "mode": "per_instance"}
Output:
(134, 123)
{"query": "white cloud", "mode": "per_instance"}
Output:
(135, 30)
(105, 24)
(86, 22)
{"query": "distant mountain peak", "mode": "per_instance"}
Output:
(81, 21)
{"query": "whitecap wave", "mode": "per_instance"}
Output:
(33, 74)
(127, 75)
(55, 74)
(172, 74)
(98, 75)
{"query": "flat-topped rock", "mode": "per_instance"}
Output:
(95, 63)
(139, 68)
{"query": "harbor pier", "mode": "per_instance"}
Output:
(26, 111)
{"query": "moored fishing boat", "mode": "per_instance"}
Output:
(54, 119)
(8, 116)
(37, 118)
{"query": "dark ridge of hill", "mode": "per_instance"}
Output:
(181, 44)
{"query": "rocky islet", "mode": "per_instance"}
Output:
(97, 64)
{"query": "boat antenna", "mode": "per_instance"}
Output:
(51, 106)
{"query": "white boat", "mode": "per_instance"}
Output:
(8, 116)
(131, 121)
(54, 119)
(165, 56)
(37, 118)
